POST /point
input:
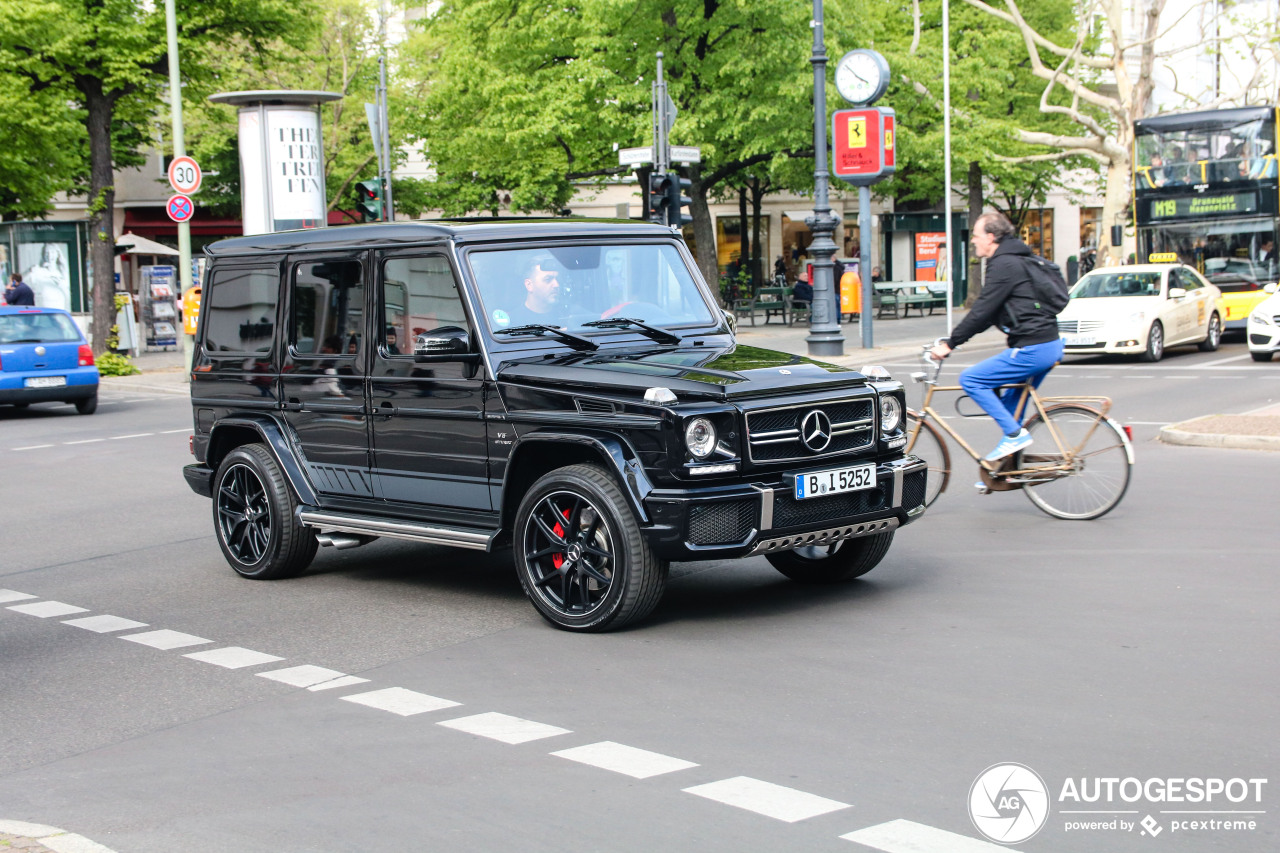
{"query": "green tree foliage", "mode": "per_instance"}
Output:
(41, 149)
(107, 59)
(527, 99)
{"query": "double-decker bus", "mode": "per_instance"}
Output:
(1207, 194)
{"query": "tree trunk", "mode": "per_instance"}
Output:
(1115, 205)
(976, 204)
(102, 199)
(744, 241)
(758, 258)
(704, 232)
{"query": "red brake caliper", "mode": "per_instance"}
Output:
(557, 559)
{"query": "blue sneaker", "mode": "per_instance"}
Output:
(1010, 445)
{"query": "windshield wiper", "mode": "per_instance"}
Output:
(659, 335)
(538, 330)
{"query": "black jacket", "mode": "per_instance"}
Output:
(1008, 300)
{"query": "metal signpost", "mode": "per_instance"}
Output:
(661, 187)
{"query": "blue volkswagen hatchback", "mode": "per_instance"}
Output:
(45, 359)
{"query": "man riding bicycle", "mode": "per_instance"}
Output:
(1008, 300)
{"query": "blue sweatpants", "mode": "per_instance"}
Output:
(1012, 365)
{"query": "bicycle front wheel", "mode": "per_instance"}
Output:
(1090, 478)
(924, 441)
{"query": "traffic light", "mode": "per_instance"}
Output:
(370, 204)
(678, 200)
(658, 197)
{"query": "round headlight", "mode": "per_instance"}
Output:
(890, 413)
(700, 437)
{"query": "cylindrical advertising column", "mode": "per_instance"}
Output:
(281, 159)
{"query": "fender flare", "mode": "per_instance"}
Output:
(277, 442)
(621, 458)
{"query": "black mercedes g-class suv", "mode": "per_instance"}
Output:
(566, 388)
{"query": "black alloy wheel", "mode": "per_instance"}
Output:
(244, 516)
(570, 553)
(581, 556)
(255, 517)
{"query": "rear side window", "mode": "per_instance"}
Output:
(239, 310)
(328, 308)
(37, 329)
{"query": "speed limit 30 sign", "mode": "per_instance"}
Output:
(184, 175)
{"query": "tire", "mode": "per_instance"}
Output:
(924, 441)
(1261, 356)
(21, 405)
(1213, 339)
(255, 517)
(580, 554)
(87, 405)
(834, 563)
(1155, 343)
(1101, 468)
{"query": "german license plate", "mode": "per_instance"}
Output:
(835, 481)
(1079, 340)
(45, 381)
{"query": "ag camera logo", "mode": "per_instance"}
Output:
(1008, 803)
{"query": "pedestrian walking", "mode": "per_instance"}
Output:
(1011, 300)
(17, 292)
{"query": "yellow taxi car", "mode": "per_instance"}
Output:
(1244, 284)
(1140, 310)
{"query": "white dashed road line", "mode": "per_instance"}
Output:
(13, 595)
(104, 624)
(34, 447)
(233, 657)
(85, 441)
(166, 639)
(904, 836)
(766, 798)
(135, 435)
(46, 609)
(505, 728)
(397, 700)
(627, 760)
(169, 431)
(306, 675)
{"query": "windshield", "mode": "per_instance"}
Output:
(1220, 155)
(37, 329)
(1235, 255)
(1117, 284)
(571, 286)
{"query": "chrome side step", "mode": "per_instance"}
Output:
(366, 525)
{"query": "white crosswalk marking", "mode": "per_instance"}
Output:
(904, 836)
(104, 624)
(13, 595)
(233, 657)
(397, 700)
(344, 681)
(504, 728)
(766, 798)
(165, 639)
(627, 760)
(46, 609)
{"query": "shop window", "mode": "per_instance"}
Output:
(1037, 232)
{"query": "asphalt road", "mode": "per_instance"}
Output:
(1139, 645)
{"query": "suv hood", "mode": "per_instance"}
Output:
(717, 373)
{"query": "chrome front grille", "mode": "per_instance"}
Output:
(1075, 327)
(774, 434)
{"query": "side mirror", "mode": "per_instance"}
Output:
(1270, 288)
(446, 342)
(1177, 292)
(733, 320)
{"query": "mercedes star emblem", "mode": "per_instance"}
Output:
(815, 430)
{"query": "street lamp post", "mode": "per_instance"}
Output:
(825, 338)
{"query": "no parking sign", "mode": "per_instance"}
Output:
(180, 208)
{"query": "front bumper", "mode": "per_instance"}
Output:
(725, 522)
(1263, 337)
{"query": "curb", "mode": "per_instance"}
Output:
(1172, 435)
(52, 838)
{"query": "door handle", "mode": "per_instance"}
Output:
(385, 409)
(293, 405)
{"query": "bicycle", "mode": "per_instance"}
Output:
(1077, 469)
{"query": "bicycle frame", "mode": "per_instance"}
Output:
(1099, 405)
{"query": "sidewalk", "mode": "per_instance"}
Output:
(1255, 430)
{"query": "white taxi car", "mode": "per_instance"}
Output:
(1140, 310)
(1264, 327)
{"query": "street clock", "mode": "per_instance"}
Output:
(862, 76)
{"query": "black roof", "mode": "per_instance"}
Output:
(407, 233)
(1204, 120)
